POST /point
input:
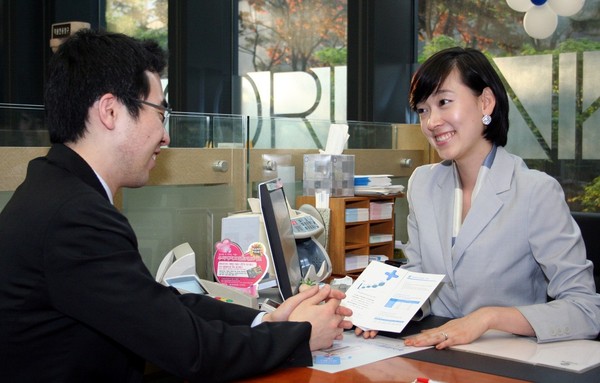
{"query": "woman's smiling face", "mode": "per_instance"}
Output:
(451, 119)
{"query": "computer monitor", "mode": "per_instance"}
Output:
(280, 236)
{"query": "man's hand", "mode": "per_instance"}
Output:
(282, 313)
(321, 308)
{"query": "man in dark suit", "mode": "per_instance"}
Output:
(77, 303)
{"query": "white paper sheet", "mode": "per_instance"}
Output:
(354, 351)
(385, 297)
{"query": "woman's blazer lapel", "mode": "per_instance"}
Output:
(487, 204)
(442, 200)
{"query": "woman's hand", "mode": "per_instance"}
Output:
(469, 328)
(457, 331)
(368, 334)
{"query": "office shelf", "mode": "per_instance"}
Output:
(351, 243)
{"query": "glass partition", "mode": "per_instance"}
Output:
(211, 167)
(22, 125)
(199, 130)
(166, 216)
(302, 133)
(288, 133)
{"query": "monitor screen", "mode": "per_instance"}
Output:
(281, 239)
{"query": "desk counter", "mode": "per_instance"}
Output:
(448, 366)
(398, 369)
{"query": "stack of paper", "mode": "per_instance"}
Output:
(354, 262)
(378, 238)
(378, 257)
(357, 215)
(380, 210)
(378, 190)
(375, 184)
(373, 180)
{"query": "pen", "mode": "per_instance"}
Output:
(426, 380)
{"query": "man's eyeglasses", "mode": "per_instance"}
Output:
(164, 111)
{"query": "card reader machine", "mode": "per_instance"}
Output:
(193, 284)
(178, 269)
(305, 225)
(314, 260)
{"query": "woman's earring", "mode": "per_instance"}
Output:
(486, 119)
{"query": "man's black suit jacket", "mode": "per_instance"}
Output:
(77, 304)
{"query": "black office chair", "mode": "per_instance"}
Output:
(589, 223)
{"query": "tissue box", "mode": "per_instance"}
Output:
(329, 172)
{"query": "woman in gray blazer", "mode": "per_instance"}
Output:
(513, 257)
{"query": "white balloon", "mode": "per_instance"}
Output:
(566, 7)
(540, 22)
(520, 5)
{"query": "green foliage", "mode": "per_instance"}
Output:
(332, 56)
(590, 199)
(142, 19)
(160, 35)
(528, 50)
(437, 44)
(567, 46)
(579, 45)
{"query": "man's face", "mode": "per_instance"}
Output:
(143, 138)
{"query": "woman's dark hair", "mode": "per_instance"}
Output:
(90, 64)
(476, 72)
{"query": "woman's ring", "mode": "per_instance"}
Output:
(445, 335)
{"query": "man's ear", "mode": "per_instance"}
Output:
(108, 109)
(488, 101)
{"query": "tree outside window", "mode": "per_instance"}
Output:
(292, 35)
(143, 19)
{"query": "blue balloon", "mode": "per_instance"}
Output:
(538, 2)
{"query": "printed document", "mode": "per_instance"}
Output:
(354, 351)
(385, 298)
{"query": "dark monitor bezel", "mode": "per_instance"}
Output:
(283, 266)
